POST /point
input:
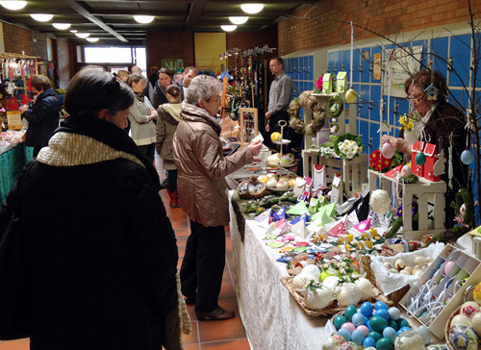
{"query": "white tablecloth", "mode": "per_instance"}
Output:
(272, 318)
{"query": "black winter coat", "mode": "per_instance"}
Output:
(103, 251)
(42, 119)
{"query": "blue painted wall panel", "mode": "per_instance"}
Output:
(460, 52)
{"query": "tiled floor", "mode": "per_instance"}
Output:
(206, 335)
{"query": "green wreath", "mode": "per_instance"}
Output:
(335, 106)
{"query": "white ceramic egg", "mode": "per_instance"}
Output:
(419, 260)
(405, 272)
(409, 340)
(271, 183)
(399, 264)
(476, 323)
(406, 171)
(461, 319)
(334, 342)
(470, 308)
(426, 334)
(387, 265)
(429, 259)
(409, 268)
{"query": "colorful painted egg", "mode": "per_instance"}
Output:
(461, 319)
(476, 324)
(448, 266)
(462, 337)
(363, 329)
(351, 96)
(437, 347)
(420, 159)
(334, 342)
(378, 323)
(470, 308)
(409, 341)
(348, 326)
(349, 345)
(406, 171)
(387, 150)
(477, 293)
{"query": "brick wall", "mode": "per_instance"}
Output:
(64, 66)
(162, 45)
(327, 22)
(17, 39)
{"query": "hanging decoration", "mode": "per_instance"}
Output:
(306, 100)
(387, 150)
(335, 106)
(420, 158)
(467, 157)
(351, 94)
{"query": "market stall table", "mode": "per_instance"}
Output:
(271, 317)
(12, 161)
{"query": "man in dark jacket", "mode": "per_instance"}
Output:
(43, 117)
(189, 74)
(103, 251)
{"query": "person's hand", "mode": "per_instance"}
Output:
(22, 109)
(255, 147)
(268, 115)
(384, 138)
(397, 142)
(268, 128)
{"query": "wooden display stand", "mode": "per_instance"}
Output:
(248, 132)
(354, 172)
(425, 192)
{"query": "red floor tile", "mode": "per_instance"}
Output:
(192, 347)
(181, 241)
(193, 337)
(180, 225)
(221, 330)
(182, 233)
(237, 344)
(20, 344)
(227, 290)
(181, 251)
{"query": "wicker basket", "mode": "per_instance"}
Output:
(394, 297)
(333, 309)
(251, 189)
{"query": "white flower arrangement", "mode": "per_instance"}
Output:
(349, 148)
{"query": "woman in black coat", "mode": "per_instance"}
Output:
(103, 251)
(43, 117)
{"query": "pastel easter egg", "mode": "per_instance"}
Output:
(383, 313)
(404, 329)
(350, 311)
(348, 326)
(363, 329)
(345, 334)
(358, 319)
(395, 313)
(387, 150)
(390, 333)
(448, 266)
(384, 344)
(461, 319)
(357, 337)
(420, 159)
(426, 334)
(369, 342)
(339, 320)
(467, 157)
(380, 305)
(366, 309)
(378, 323)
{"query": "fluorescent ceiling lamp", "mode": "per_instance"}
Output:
(228, 27)
(73, 30)
(252, 8)
(13, 5)
(93, 40)
(41, 17)
(144, 19)
(238, 19)
(82, 35)
(61, 26)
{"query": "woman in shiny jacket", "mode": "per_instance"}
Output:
(102, 250)
(201, 166)
(43, 117)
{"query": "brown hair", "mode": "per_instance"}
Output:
(426, 77)
(166, 71)
(135, 78)
(122, 73)
(41, 82)
(278, 59)
(173, 90)
(191, 68)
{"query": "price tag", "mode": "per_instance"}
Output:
(14, 119)
(330, 328)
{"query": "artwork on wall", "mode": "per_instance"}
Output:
(402, 63)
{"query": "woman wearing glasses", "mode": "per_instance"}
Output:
(437, 122)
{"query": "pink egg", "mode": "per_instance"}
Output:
(349, 326)
(448, 266)
(363, 329)
(388, 150)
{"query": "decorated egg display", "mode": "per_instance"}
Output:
(372, 327)
(462, 337)
(334, 342)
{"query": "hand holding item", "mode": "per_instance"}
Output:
(23, 108)
(397, 142)
(268, 128)
(255, 147)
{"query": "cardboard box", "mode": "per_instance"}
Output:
(442, 285)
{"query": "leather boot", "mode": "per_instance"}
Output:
(172, 197)
(177, 199)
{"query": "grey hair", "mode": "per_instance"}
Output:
(203, 87)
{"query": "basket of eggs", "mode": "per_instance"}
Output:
(251, 189)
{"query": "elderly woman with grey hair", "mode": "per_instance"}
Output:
(201, 166)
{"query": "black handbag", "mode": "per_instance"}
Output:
(16, 280)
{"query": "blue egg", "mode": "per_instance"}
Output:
(358, 319)
(384, 313)
(390, 333)
(395, 313)
(357, 337)
(420, 158)
(380, 305)
(403, 329)
(350, 311)
(345, 334)
(384, 344)
(368, 342)
(366, 309)
(339, 320)
(375, 335)
(467, 157)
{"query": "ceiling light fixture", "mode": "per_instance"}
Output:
(238, 19)
(252, 8)
(144, 19)
(41, 17)
(228, 27)
(13, 5)
(93, 40)
(73, 30)
(82, 35)
(61, 26)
